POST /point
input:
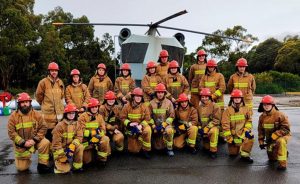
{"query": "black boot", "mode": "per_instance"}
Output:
(146, 154)
(249, 160)
(213, 155)
(43, 169)
(193, 150)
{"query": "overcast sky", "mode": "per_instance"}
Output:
(261, 18)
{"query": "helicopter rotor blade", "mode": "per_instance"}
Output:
(167, 18)
(98, 24)
(207, 34)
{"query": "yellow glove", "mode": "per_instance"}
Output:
(274, 136)
(94, 140)
(205, 130)
(164, 124)
(93, 133)
(72, 147)
(63, 159)
(181, 127)
(229, 139)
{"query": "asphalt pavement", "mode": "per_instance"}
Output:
(182, 168)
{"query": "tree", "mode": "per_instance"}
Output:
(262, 57)
(288, 58)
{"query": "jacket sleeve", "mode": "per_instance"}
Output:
(230, 84)
(216, 116)
(186, 88)
(194, 117)
(222, 86)
(147, 115)
(62, 87)
(253, 85)
(201, 83)
(57, 133)
(40, 91)
(191, 74)
(41, 128)
(86, 95)
(110, 85)
(68, 95)
(261, 131)
(123, 115)
(226, 123)
(91, 86)
(79, 133)
(283, 126)
(146, 86)
(117, 88)
(12, 133)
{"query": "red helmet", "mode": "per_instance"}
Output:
(201, 53)
(236, 93)
(101, 65)
(173, 64)
(109, 95)
(23, 97)
(151, 64)
(211, 63)
(164, 53)
(125, 66)
(137, 92)
(75, 72)
(53, 66)
(93, 102)
(182, 98)
(70, 108)
(160, 88)
(241, 62)
(268, 100)
(205, 92)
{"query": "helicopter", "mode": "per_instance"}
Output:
(137, 50)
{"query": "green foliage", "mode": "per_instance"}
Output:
(274, 82)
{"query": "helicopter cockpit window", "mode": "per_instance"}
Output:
(175, 53)
(134, 52)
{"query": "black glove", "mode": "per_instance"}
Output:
(262, 146)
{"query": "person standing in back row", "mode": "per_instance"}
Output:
(163, 66)
(50, 94)
(197, 70)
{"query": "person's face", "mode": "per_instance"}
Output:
(152, 70)
(111, 102)
(25, 104)
(160, 95)
(267, 107)
(125, 72)
(71, 115)
(204, 99)
(75, 78)
(164, 59)
(94, 110)
(241, 69)
(54, 73)
(137, 99)
(201, 58)
(211, 69)
(237, 100)
(101, 71)
(184, 104)
(173, 70)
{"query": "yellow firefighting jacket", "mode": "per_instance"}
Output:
(234, 123)
(245, 83)
(216, 83)
(189, 114)
(209, 115)
(149, 83)
(272, 122)
(196, 72)
(78, 95)
(124, 86)
(22, 127)
(65, 133)
(99, 86)
(162, 111)
(162, 69)
(110, 116)
(176, 84)
(90, 123)
(135, 113)
(50, 94)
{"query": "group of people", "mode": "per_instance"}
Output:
(167, 112)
